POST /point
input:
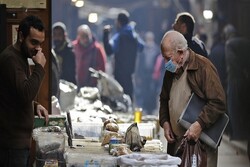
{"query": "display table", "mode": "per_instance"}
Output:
(89, 156)
(91, 153)
(87, 152)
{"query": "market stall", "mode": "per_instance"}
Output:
(52, 149)
(98, 128)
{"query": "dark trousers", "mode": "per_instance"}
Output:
(14, 157)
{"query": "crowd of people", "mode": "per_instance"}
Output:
(139, 65)
(156, 77)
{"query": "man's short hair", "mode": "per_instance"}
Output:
(27, 23)
(123, 18)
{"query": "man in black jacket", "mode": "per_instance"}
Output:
(64, 52)
(184, 23)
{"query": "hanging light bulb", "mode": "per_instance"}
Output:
(93, 17)
(208, 14)
(79, 3)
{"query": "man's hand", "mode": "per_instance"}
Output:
(39, 57)
(42, 112)
(107, 28)
(168, 133)
(194, 132)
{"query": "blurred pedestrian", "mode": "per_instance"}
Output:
(64, 52)
(159, 71)
(88, 53)
(238, 75)
(184, 23)
(125, 45)
(55, 80)
(18, 89)
(145, 83)
(188, 72)
(217, 57)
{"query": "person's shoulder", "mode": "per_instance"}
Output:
(69, 44)
(69, 48)
(196, 39)
(10, 57)
(198, 46)
(199, 60)
(237, 41)
(125, 30)
(199, 42)
(9, 51)
(97, 44)
(205, 63)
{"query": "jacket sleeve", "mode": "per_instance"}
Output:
(101, 59)
(25, 86)
(210, 89)
(164, 98)
(140, 43)
(106, 43)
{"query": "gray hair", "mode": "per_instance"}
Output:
(84, 29)
(176, 40)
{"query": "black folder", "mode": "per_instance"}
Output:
(213, 134)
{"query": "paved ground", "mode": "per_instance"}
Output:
(232, 154)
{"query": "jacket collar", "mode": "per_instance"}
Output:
(192, 64)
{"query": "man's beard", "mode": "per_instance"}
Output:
(25, 51)
(58, 43)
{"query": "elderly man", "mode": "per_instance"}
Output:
(88, 53)
(188, 72)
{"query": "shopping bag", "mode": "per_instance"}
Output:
(192, 154)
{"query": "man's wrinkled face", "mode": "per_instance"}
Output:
(32, 42)
(84, 38)
(168, 53)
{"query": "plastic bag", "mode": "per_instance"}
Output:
(133, 138)
(192, 154)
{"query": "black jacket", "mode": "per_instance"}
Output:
(196, 45)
